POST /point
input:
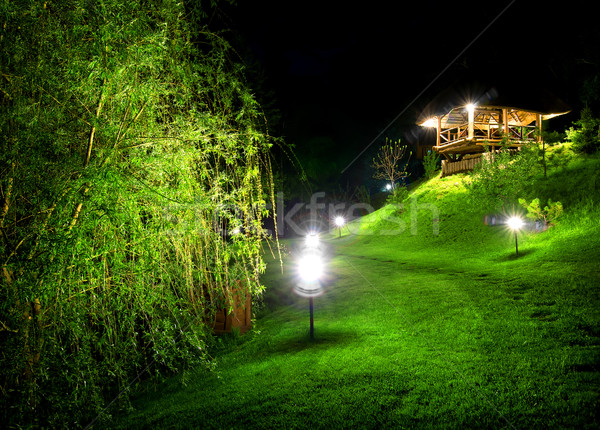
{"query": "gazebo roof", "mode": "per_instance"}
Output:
(520, 95)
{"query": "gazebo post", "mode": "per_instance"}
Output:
(538, 123)
(471, 117)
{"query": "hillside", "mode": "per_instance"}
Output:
(419, 328)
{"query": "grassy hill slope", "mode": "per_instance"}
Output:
(428, 320)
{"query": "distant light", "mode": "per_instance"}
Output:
(388, 186)
(339, 221)
(310, 267)
(235, 230)
(312, 240)
(515, 223)
(431, 122)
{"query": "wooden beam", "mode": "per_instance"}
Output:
(471, 120)
(439, 130)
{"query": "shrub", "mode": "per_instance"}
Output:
(501, 177)
(548, 214)
(430, 164)
(398, 195)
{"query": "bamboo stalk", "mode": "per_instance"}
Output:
(88, 156)
(7, 196)
(93, 130)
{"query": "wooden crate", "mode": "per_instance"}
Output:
(240, 316)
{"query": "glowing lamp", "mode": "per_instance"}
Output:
(339, 221)
(431, 122)
(388, 186)
(515, 224)
(311, 240)
(471, 108)
(310, 267)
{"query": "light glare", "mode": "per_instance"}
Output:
(339, 221)
(310, 267)
(312, 240)
(515, 223)
(431, 122)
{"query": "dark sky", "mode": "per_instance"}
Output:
(345, 72)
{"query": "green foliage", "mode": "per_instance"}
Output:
(502, 176)
(552, 137)
(533, 320)
(548, 214)
(398, 195)
(586, 133)
(130, 142)
(430, 163)
(559, 155)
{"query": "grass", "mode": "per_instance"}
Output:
(418, 330)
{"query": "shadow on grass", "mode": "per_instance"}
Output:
(323, 338)
(512, 256)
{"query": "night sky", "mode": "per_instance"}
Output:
(345, 74)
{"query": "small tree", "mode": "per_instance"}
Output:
(388, 164)
(430, 162)
(548, 214)
(586, 133)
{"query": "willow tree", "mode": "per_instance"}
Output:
(130, 142)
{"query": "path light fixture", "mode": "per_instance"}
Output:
(310, 270)
(515, 223)
(339, 221)
(312, 240)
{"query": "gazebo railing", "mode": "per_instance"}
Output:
(483, 131)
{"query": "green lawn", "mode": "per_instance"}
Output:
(417, 329)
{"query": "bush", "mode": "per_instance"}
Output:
(501, 177)
(430, 164)
(548, 214)
(397, 196)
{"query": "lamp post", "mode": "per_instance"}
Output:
(310, 269)
(312, 240)
(515, 223)
(339, 221)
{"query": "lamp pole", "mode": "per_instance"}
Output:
(312, 325)
(310, 269)
(339, 221)
(515, 223)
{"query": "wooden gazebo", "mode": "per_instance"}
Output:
(469, 119)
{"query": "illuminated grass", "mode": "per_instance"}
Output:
(418, 331)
